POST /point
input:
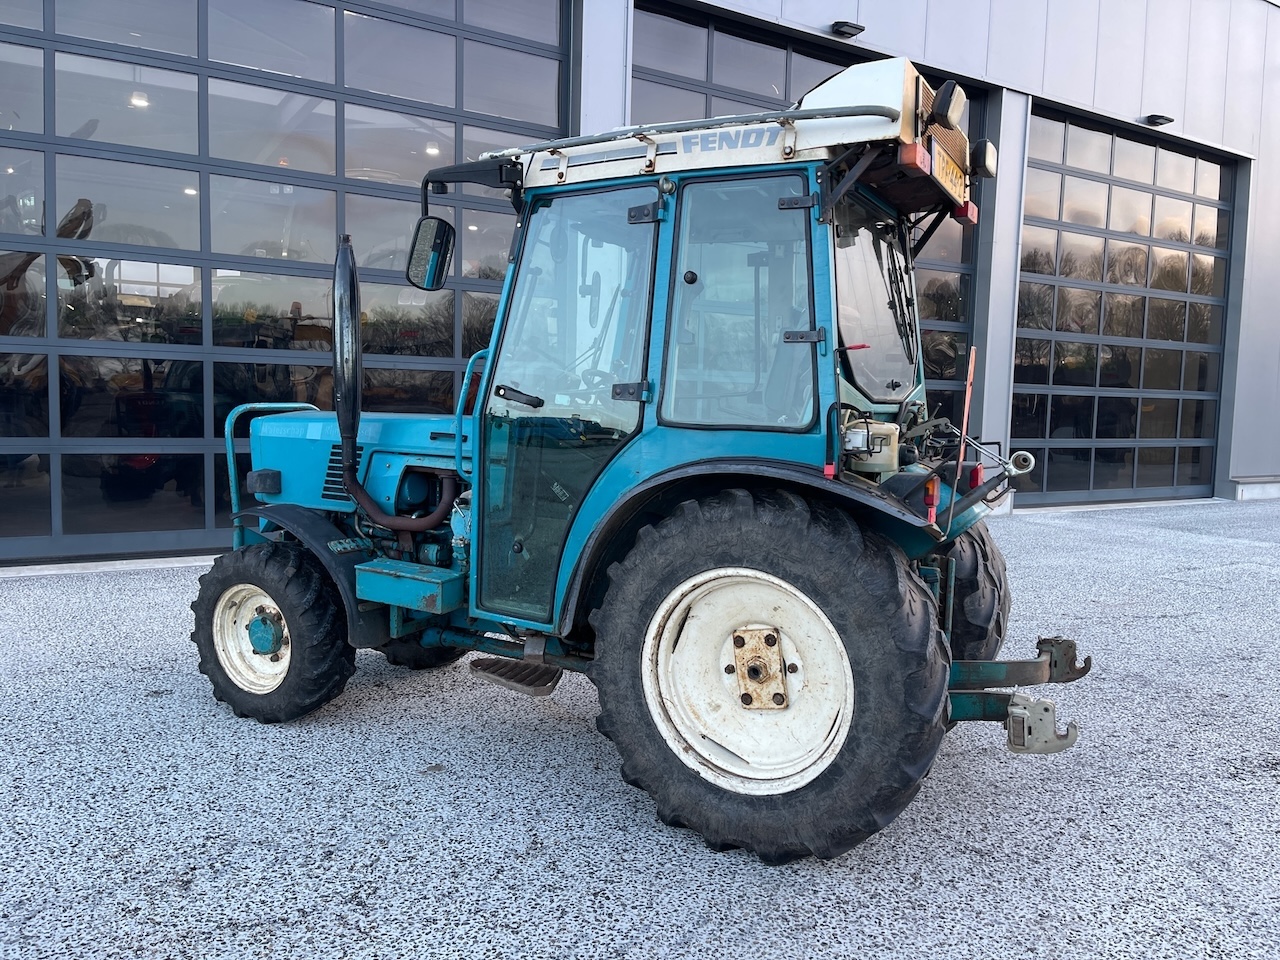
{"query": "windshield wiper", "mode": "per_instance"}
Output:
(511, 393)
(897, 296)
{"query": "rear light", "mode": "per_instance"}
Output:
(976, 476)
(932, 490)
(967, 212)
(915, 159)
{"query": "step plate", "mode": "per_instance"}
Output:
(535, 679)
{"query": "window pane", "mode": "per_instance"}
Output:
(271, 127)
(1199, 418)
(283, 36)
(1067, 469)
(1031, 360)
(237, 383)
(1134, 161)
(1113, 469)
(1130, 211)
(400, 60)
(537, 20)
(946, 354)
(168, 25)
(138, 301)
(1208, 275)
(406, 321)
(489, 75)
(1039, 246)
(1173, 219)
(724, 107)
(1043, 194)
(1159, 418)
(1119, 366)
(128, 203)
(1168, 269)
(748, 65)
(255, 218)
(131, 397)
(1088, 149)
(126, 103)
(945, 403)
(1201, 371)
(1078, 310)
(1204, 323)
(1084, 202)
(1029, 410)
(952, 242)
(408, 391)
(669, 45)
(1071, 418)
(1046, 139)
(1211, 227)
(23, 13)
(1081, 257)
(1195, 466)
(381, 230)
(24, 495)
(1166, 319)
(22, 80)
(1117, 418)
(24, 398)
(807, 73)
(478, 313)
(656, 102)
(22, 296)
(1161, 369)
(445, 9)
(21, 191)
(1175, 171)
(132, 492)
(1123, 317)
(485, 242)
(1035, 306)
(1127, 263)
(1075, 364)
(942, 296)
(268, 310)
(1212, 180)
(395, 147)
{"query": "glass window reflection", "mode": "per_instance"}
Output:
(1043, 194)
(148, 397)
(408, 391)
(485, 240)
(942, 296)
(24, 395)
(1084, 202)
(1155, 466)
(749, 65)
(21, 191)
(132, 492)
(1130, 211)
(1134, 161)
(1035, 306)
(1039, 249)
(237, 383)
(488, 87)
(395, 147)
(672, 46)
(406, 321)
(807, 73)
(655, 102)
(478, 313)
(271, 127)
(1124, 315)
(1195, 466)
(1081, 257)
(399, 60)
(1088, 149)
(25, 503)
(945, 354)
(280, 221)
(136, 301)
(292, 37)
(106, 100)
(1175, 171)
(167, 25)
(537, 20)
(381, 230)
(22, 80)
(23, 13)
(1078, 310)
(271, 311)
(1173, 219)
(133, 203)
(22, 293)
(1046, 139)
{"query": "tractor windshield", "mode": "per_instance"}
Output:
(876, 312)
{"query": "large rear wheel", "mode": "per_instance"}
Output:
(980, 606)
(774, 677)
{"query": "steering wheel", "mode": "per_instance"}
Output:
(593, 378)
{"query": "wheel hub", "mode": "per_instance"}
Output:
(266, 633)
(759, 668)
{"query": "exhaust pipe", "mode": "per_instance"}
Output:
(347, 375)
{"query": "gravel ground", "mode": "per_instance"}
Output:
(433, 815)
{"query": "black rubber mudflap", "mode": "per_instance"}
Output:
(535, 679)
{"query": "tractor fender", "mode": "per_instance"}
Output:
(365, 628)
(883, 511)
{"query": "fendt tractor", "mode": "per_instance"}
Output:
(696, 463)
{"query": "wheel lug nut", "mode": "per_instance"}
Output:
(739, 642)
(770, 640)
(779, 699)
(730, 668)
(746, 699)
(792, 668)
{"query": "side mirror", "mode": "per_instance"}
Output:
(948, 106)
(431, 253)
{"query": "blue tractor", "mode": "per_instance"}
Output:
(696, 463)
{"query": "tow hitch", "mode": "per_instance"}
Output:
(1031, 724)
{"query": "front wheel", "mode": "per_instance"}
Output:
(980, 605)
(771, 675)
(271, 633)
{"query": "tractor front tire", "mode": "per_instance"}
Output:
(271, 632)
(980, 606)
(414, 656)
(852, 649)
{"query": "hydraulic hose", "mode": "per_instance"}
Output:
(448, 494)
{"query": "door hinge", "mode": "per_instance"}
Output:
(638, 392)
(798, 203)
(645, 213)
(804, 336)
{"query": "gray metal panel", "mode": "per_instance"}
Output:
(606, 62)
(1016, 44)
(896, 28)
(955, 36)
(1117, 89)
(1164, 70)
(1071, 50)
(1206, 78)
(1246, 51)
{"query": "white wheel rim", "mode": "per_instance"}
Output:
(248, 669)
(695, 703)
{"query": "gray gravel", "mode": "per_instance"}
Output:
(426, 815)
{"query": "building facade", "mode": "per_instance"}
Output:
(174, 173)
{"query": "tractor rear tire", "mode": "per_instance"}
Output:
(980, 610)
(413, 655)
(257, 587)
(862, 660)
